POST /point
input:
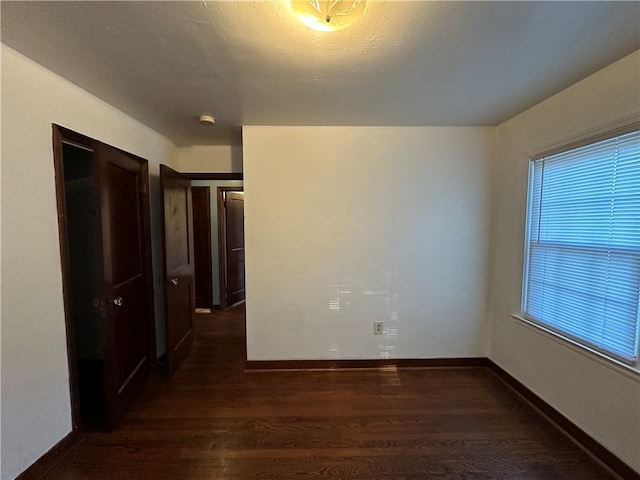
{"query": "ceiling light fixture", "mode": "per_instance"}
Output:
(206, 119)
(328, 15)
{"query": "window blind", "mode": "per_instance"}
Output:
(583, 261)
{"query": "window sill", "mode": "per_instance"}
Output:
(630, 371)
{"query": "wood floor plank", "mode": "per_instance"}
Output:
(213, 420)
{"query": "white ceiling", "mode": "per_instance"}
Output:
(252, 63)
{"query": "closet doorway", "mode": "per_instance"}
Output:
(105, 247)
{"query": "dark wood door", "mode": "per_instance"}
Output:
(179, 291)
(234, 232)
(122, 186)
(202, 246)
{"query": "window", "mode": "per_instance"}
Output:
(582, 272)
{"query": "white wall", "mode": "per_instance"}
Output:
(210, 159)
(35, 380)
(347, 225)
(602, 399)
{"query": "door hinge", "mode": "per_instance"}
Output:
(143, 189)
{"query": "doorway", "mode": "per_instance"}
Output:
(82, 241)
(212, 181)
(105, 246)
(176, 192)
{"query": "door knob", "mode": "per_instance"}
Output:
(174, 281)
(116, 301)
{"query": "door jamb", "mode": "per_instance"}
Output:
(59, 135)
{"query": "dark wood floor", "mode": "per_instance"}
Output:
(214, 421)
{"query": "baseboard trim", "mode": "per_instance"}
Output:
(41, 466)
(592, 446)
(380, 364)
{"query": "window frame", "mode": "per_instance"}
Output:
(540, 324)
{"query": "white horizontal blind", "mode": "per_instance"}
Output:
(583, 271)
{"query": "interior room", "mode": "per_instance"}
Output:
(384, 159)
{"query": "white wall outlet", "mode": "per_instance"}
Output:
(378, 328)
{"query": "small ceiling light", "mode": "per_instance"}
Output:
(205, 119)
(328, 15)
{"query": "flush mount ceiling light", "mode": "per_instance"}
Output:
(328, 15)
(206, 119)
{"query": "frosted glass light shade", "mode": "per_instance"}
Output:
(328, 15)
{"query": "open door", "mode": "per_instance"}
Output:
(234, 248)
(105, 248)
(179, 291)
(122, 192)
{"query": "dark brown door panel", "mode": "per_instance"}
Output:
(177, 222)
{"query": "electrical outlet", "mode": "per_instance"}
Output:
(378, 328)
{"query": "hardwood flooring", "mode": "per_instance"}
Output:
(213, 420)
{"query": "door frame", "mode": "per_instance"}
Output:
(218, 176)
(222, 240)
(59, 135)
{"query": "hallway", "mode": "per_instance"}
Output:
(214, 421)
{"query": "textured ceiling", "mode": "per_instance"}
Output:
(252, 63)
